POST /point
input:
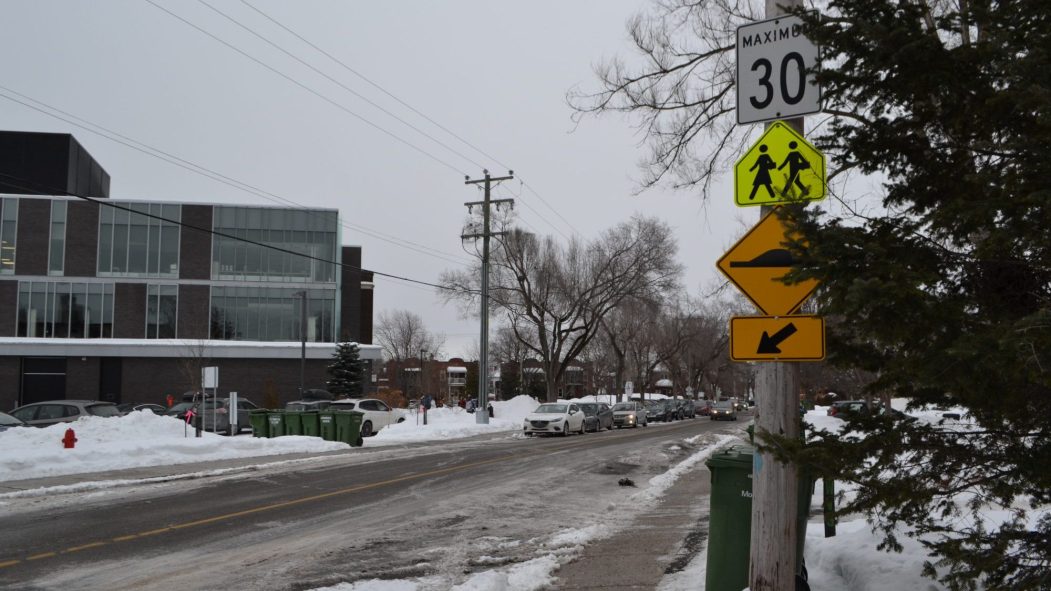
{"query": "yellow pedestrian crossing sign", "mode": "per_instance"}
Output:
(782, 167)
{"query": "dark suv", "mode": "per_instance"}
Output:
(216, 413)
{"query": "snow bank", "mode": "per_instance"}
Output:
(850, 560)
(453, 422)
(137, 440)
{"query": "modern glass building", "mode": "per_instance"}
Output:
(121, 300)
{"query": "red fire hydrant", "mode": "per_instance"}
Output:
(70, 440)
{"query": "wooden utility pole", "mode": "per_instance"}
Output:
(775, 485)
(481, 415)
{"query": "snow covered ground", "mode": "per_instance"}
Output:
(143, 439)
(848, 561)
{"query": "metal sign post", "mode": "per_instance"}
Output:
(232, 413)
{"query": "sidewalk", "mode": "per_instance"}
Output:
(662, 540)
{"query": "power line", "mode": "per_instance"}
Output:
(375, 85)
(534, 210)
(340, 84)
(34, 186)
(308, 89)
(395, 98)
(214, 175)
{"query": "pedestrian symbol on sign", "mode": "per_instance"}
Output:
(781, 167)
(762, 176)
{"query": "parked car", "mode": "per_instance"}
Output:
(52, 412)
(724, 410)
(630, 414)
(377, 413)
(686, 410)
(846, 407)
(308, 405)
(703, 408)
(9, 422)
(556, 418)
(657, 411)
(597, 416)
(214, 413)
(128, 407)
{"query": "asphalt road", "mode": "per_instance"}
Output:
(388, 513)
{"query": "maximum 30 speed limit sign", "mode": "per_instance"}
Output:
(774, 71)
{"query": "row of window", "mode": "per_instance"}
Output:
(58, 309)
(139, 241)
(143, 240)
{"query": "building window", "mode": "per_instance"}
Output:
(162, 306)
(56, 259)
(65, 310)
(312, 233)
(132, 244)
(8, 234)
(271, 314)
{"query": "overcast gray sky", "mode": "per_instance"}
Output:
(493, 73)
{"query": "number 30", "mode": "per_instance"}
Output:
(786, 93)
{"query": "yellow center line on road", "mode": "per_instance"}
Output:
(83, 547)
(293, 502)
(260, 509)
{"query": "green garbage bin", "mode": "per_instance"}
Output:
(310, 424)
(327, 425)
(257, 418)
(293, 422)
(348, 427)
(730, 518)
(275, 423)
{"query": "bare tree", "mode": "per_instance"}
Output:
(682, 90)
(619, 329)
(555, 296)
(402, 334)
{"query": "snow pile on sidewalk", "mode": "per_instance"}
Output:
(137, 440)
(453, 422)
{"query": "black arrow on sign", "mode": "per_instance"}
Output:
(768, 345)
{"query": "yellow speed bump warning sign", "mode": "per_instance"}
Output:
(782, 167)
(758, 262)
(777, 338)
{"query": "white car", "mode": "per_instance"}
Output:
(377, 414)
(560, 418)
